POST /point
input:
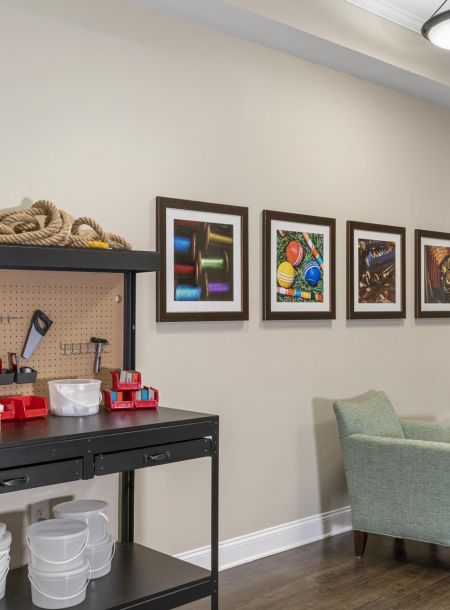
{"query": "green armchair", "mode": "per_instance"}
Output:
(398, 472)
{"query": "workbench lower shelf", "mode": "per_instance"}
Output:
(141, 578)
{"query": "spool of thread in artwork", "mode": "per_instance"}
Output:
(216, 239)
(188, 223)
(298, 294)
(213, 263)
(219, 287)
(184, 292)
(182, 244)
(184, 270)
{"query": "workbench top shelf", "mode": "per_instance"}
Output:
(140, 578)
(78, 259)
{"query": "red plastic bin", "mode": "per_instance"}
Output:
(9, 411)
(115, 405)
(148, 404)
(117, 385)
(29, 407)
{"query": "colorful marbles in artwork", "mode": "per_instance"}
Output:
(285, 274)
(294, 253)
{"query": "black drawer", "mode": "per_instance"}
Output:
(120, 461)
(15, 479)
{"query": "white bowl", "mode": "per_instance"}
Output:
(57, 541)
(91, 512)
(55, 590)
(74, 397)
(100, 556)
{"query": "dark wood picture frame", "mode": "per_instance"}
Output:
(374, 228)
(269, 216)
(162, 315)
(418, 279)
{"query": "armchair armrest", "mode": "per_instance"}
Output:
(426, 430)
(399, 487)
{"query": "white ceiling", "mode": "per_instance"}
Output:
(411, 14)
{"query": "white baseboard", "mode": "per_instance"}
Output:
(243, 549)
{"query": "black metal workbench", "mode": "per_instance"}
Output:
(56, 450)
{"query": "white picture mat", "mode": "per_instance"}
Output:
(430, 241)
(303, 306)
(377, 236)
(173, 306)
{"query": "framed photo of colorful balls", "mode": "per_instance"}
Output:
(432, 274)
(299, 266)
(204, 261)
(376, 284)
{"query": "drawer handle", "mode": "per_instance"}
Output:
(158, 457)
(15, 482)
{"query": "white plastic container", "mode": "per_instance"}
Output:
(74, 397)
(3, 575)
(91, 512)
(5, 543)
(57, 544)
(100, 556)
(56, 590)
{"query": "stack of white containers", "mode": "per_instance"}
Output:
(5, 544)
(100, 547)
(67, 552)
(58, 569)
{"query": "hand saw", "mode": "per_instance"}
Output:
(40, 325)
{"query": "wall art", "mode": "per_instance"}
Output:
(375, 271)
(204, 261)
(299, 267)
(432, 274)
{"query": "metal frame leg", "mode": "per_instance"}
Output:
(215, 517)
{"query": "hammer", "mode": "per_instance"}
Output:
(100, 345)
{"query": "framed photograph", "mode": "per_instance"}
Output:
(204, 261)
(299, 267)
(375, 271)
(432, 276)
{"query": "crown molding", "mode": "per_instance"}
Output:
(388, 10)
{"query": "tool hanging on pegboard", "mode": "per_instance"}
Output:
(39, 327)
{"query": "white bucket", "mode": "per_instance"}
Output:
(5, 543)
(92, 512)
(74, 397)
(4, 563)
(100, 556)
(3, 575)
(59, 590)
(57, 542)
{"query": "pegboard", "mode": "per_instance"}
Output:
(81, 305)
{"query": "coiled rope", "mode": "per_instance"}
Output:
(43, 224)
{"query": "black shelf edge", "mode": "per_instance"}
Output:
(140, 578)
(78, 259)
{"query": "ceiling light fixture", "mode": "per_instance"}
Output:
(437, 28)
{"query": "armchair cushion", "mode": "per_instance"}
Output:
(424, 430)
(374, 416)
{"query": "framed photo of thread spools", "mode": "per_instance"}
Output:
(204, 261)
(299, 274)
(432, 274)
(376, 283)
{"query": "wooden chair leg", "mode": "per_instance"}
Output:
(360, 539)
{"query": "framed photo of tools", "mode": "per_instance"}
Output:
(376, 285)
(298, 267)
(204, 264)
(432, 274)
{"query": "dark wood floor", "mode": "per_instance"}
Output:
(326, 576)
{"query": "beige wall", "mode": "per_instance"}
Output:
(106, 105)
